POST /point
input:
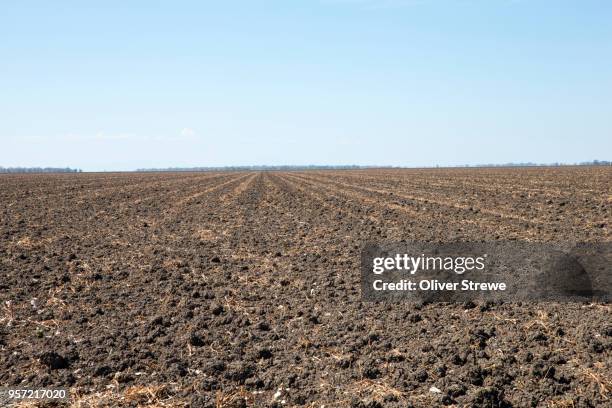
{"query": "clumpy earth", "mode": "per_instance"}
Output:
(242, 289)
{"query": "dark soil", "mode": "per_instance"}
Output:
(242, 289)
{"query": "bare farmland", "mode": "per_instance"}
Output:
(242, 289)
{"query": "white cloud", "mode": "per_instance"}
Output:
(98, 136)
(188, 132)
(113, 136)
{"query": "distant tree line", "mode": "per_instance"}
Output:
(597, 163)
(260, 168)
(531, 164)
(295, 168)
(38, 170)
(356, 167)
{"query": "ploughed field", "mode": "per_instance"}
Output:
(242, 289)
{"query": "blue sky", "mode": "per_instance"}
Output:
(117, 85)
